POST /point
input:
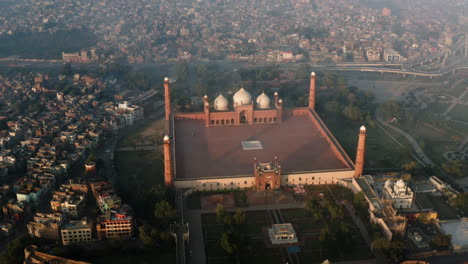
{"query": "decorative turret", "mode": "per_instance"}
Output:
(361, 148)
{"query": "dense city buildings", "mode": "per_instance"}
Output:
(251, 31)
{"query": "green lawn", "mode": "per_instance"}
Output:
(145, 132)
(381, 150)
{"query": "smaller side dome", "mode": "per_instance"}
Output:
(221, 103)
(263, 101)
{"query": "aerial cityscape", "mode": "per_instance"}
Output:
(233, 131)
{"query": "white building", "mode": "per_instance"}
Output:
(400, 194)
(128, 114)
(282, 234)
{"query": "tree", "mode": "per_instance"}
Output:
(333, 107)
(391, 109)
(441, 242)
(410, 166)
(226, 244)
(461, 202)
(315, 209)
(165, 213)
(394, 251)
(147, 235)
(239, 217)
(456, 167)
(220, 213)
(353, 113)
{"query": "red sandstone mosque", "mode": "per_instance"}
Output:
(253, 144)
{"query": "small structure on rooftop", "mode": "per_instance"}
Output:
(282, 234)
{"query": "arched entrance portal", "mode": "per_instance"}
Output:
(242, 117)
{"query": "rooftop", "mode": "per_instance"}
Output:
(221, 151)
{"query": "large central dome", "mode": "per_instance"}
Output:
(242, 97)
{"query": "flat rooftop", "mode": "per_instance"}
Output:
(218, 151)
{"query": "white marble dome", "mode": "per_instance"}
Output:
(263, 101)
(400, 184)
(242, 97)
(221, 103)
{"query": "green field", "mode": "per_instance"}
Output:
(147, 132)
(381, 150)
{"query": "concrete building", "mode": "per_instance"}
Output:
(46, 226)
(76, 231)
(282, 234)
(373, 54)
(67, 202)
(399, 194)
(128, 114)
(391, 56)
(290, 146)
(115, 225)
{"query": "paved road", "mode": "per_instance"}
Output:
(420, 153)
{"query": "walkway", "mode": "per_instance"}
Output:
(458, 100)
(420, 153)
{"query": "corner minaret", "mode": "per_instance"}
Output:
(167, 98)
(361, 149)
(168, 164)
(312, 91)
(206, 109)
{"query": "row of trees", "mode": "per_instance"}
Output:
(233, 240)
(155, 232)
(336, 235)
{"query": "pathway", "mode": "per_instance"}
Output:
(456, 100)
(419, 152)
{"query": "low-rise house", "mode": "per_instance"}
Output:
(46, 226)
